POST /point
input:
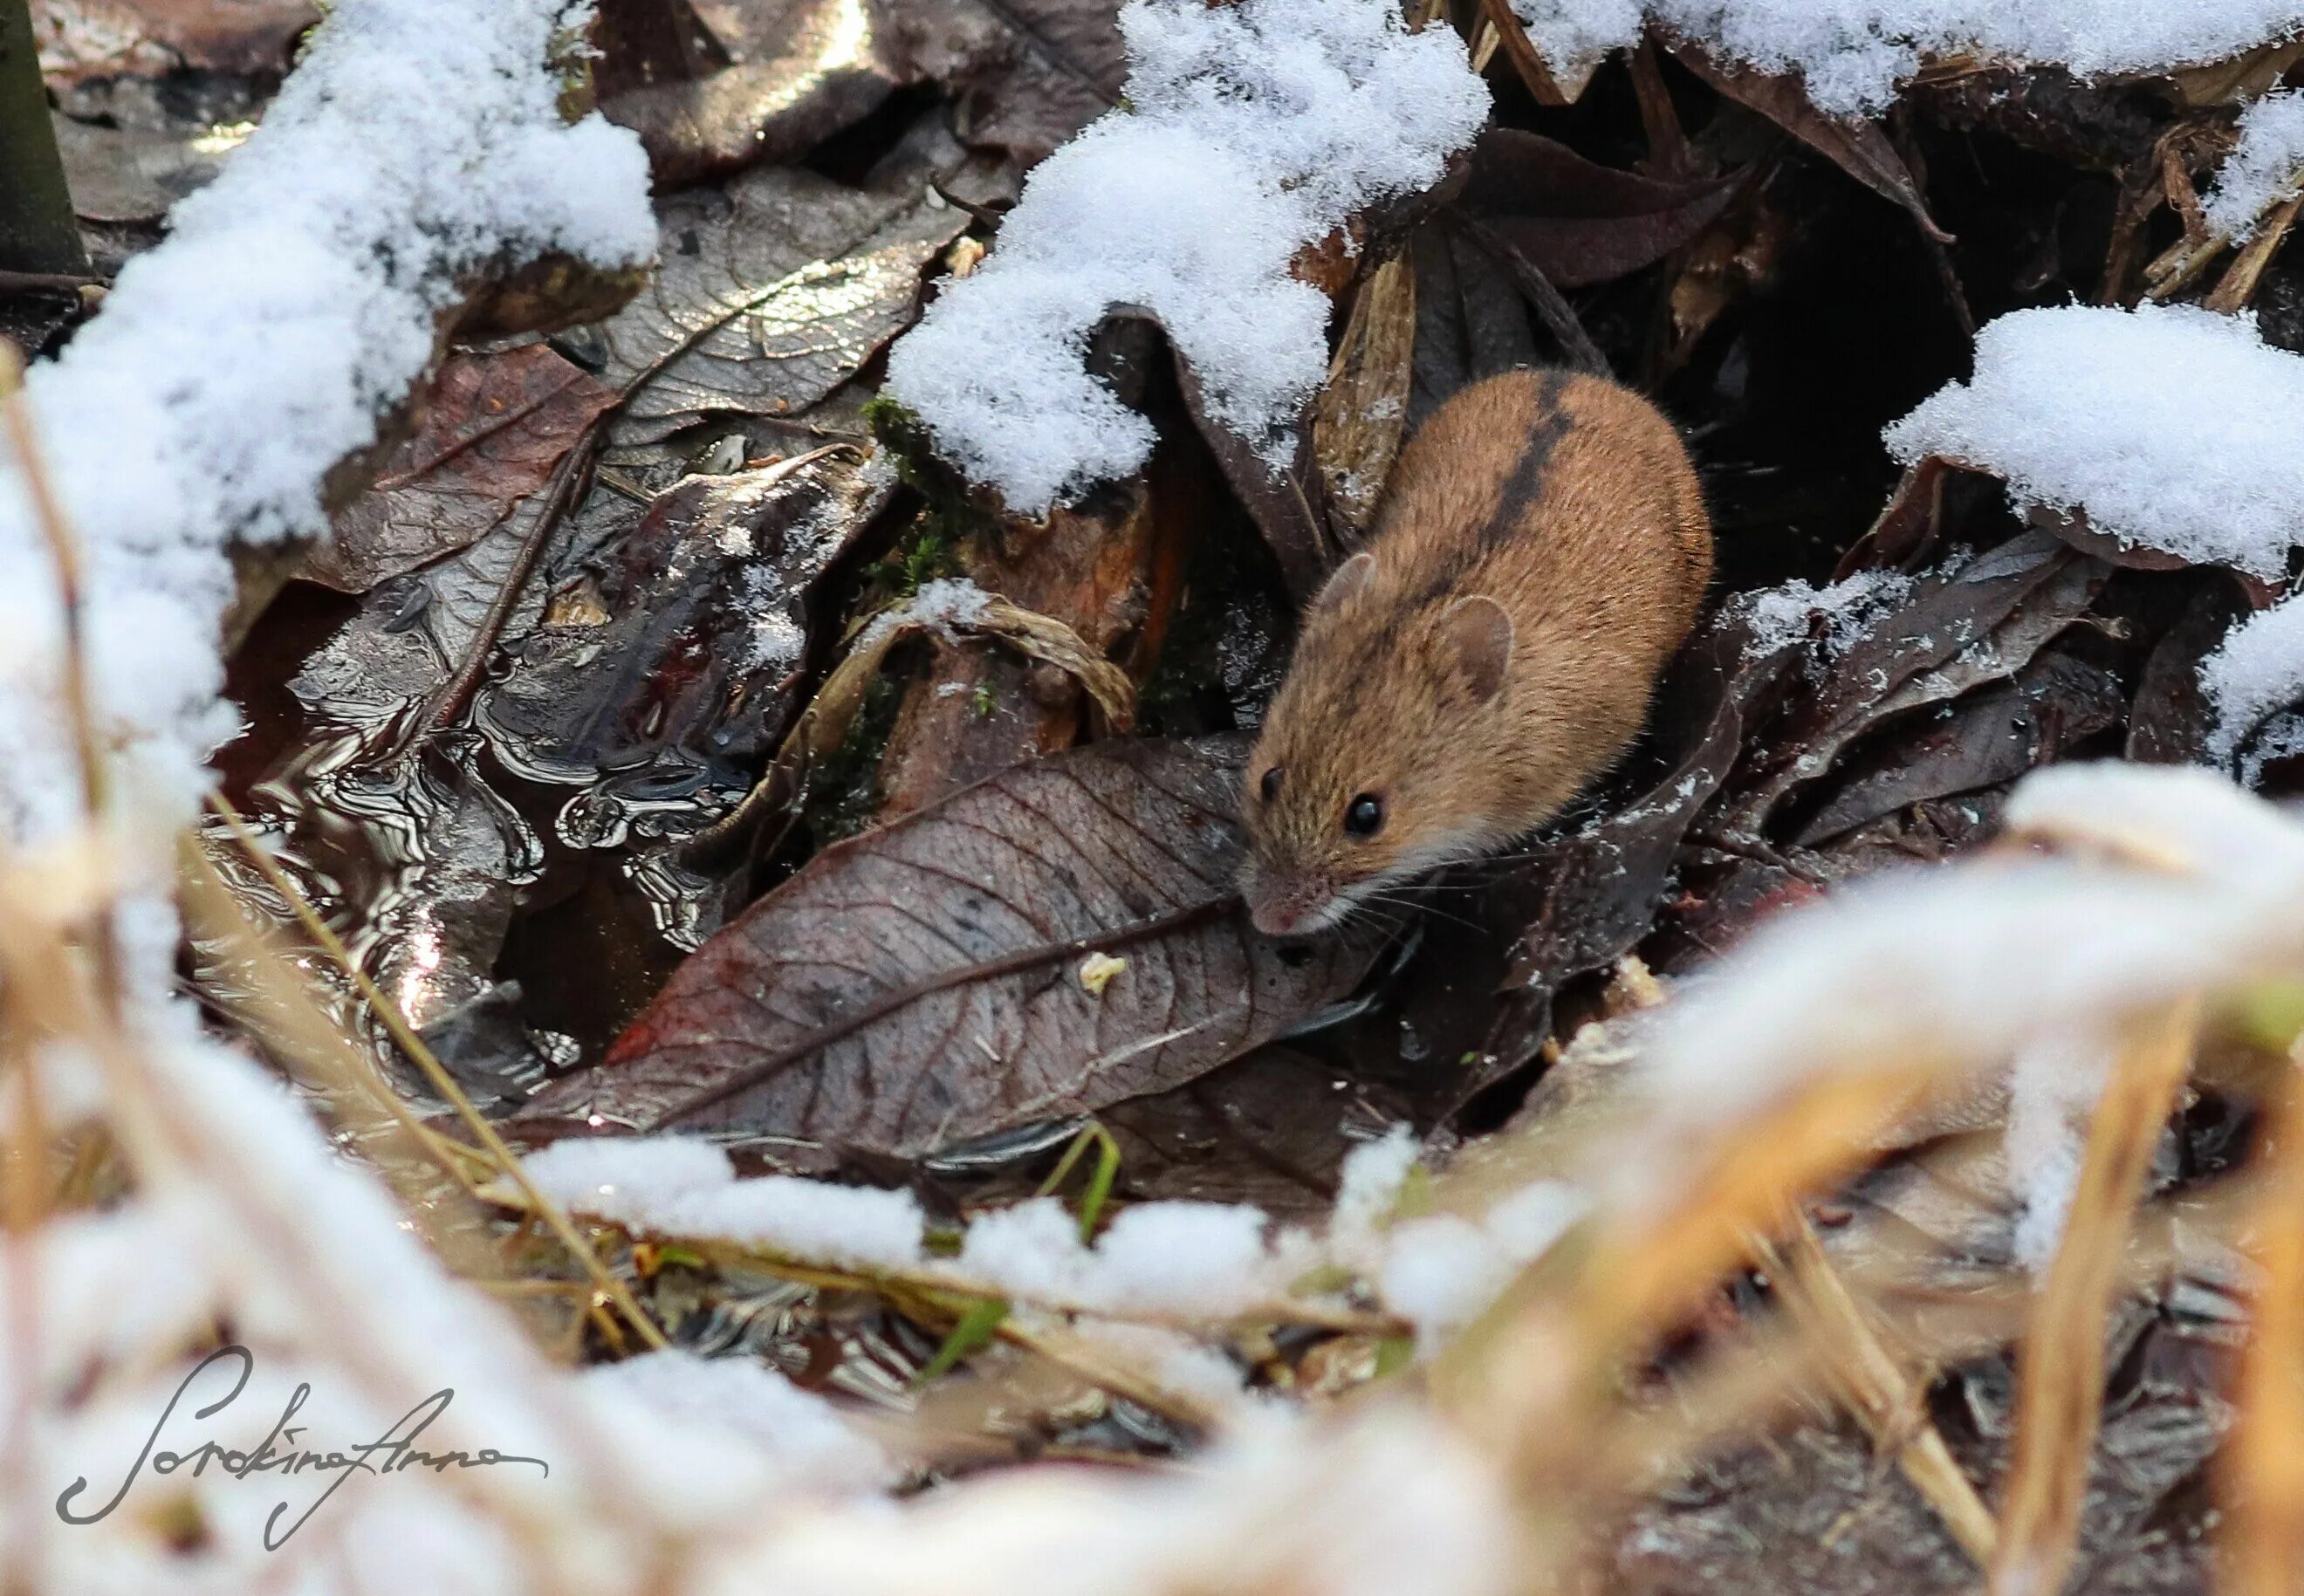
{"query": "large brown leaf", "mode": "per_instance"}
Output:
(495, 430)
(772, 293)
(919, 985)
(1029, 73)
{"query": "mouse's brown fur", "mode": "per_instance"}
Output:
(1542, 551)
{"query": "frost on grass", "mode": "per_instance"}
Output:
(418, 144)
(1251, 131)
(1789, 613)
(2265, 168)
(947, 605)
(2053, 1088)
(2171, 426)
(1854, 54)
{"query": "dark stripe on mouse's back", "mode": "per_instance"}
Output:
(1525, 485)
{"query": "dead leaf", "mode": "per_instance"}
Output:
(135, 174)
(1361, 411)
(798, 74)
(494, 429)
(1985, 739)
(770, 295)
(1578, 222)
(663, 672)
(2171, 719)
(912, 987)
(1029, 73)
(1975, 624)
(1856, 147)
(91, 38)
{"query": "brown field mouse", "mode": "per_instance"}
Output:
(1540, 553)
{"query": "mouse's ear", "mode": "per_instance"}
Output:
(1480, 634)
(1349, 578)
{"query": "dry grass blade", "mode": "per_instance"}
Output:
(1512, 36)
(2060, 1371)
(605, 1280)
(1875, 1387)
(2238, 285)
(2261, 1551)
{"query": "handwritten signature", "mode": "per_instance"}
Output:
(283, 1453)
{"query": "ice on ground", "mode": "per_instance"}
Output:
(1251, 131)
(1854, 54)
(2171, 426)
(2266, 168)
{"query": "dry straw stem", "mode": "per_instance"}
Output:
(2060, 1370)
(1873, 1383)
(602, 1279)
(1361, 411)
(2261, 1551)
(2238, 285)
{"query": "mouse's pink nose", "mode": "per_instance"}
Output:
(1279, 908)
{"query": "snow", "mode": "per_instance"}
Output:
(1442, 1272)
(1786, 614)
(800, 1435)
(2258, 669)
(676, 1185)
(1252, 131)
(294, 299)
(1854, 54)
(2265, 169)
(2054, 1086)
(946, 606)
(2170, 425)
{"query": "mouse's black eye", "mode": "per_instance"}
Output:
(1270, 786)
(1364, 815)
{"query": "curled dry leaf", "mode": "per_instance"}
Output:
(1361, 411)
(495, 426)
(1576, 221)
(770, 295)
(130, 174)
(913, 987)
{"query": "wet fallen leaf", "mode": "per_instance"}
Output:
(1471, 320)
(84, 38)
(662, 671)
(1856, 147)
(797, 74)
(1990, 737)
(495, 426)
(770, 295)
(1576, 221)
(1975, 624)
(911, 988)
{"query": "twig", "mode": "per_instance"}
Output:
(1551, 305)
(449, 701)
(2236, 287)
(1512, 36)
(1874, 1385)
(434, 1072)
